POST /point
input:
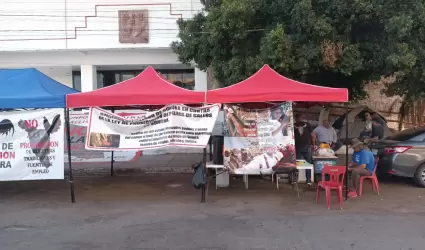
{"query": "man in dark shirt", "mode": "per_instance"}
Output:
(304, 141)
(377, 128)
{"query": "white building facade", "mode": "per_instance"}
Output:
(89, 44)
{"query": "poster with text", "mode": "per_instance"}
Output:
(32, 145)
(257, 141)
(172, 126)
(79, 154)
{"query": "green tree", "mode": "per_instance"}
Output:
(336, 43)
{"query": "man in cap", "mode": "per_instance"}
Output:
(363, 164)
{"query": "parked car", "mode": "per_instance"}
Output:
(402, 154)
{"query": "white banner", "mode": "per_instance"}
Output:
(32, 145)
(79, 154)
(173, 125)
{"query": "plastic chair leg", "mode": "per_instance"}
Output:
(375, 181)
(328, 197)
(361, 187)
(340, 197)
(317, 194)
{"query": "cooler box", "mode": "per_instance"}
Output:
(320, 162)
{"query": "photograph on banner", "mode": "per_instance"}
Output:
(79, 154)
(171, 126)
(32, 145)
(256, 141)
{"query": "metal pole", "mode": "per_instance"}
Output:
(112, 156)
(210, 142)
(204, 165)
(68, 136)
(346, 151)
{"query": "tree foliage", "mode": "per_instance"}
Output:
(336, 43)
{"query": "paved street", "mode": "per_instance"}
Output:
(163, 212)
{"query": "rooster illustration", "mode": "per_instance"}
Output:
(40, 138)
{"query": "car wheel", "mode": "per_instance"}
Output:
(419, 177)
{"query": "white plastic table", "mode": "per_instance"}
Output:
(306, 167)
(221, 177)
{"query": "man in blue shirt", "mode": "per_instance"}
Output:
(363, 164)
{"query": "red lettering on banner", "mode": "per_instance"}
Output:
(77, 131)
(53, 144)
(76, 147)
(7, 155)
(31, 123)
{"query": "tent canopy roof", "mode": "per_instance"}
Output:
(148, 88)
(29, 88)
(269, 86)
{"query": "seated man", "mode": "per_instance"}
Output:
(363, 164)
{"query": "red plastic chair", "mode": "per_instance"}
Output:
(336, 182)
(373, 178)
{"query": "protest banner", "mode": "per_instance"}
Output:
(79, 154)
(32, 145)
(173, 125)
(258, 140)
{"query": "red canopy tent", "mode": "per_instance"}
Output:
(266, 86)
(148, 88)
(269, 86)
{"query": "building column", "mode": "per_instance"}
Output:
(88, 78)
(201, 80)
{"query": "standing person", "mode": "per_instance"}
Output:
(325, 133)
(305, 140)
(363, 164)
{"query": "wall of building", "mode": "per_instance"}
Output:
(81, 24)
(59, 36)
(88, 57)
(62, 74)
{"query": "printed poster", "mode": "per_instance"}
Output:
(173, 125)
(257, 141)
(79, 154)
(32, 145)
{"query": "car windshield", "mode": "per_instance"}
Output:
(407, 134)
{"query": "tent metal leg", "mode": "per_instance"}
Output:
(112, 163)
(68, 136)
(204, 165)
(346, 151)
(112, 156)
(211, 148)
